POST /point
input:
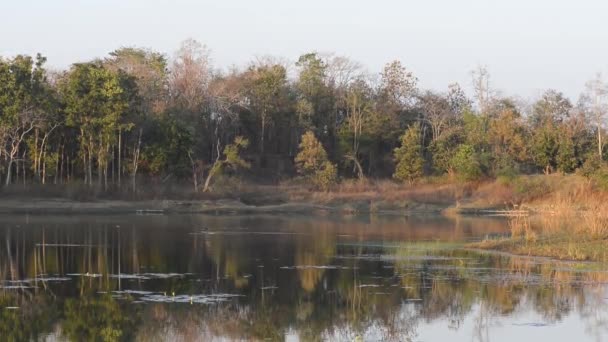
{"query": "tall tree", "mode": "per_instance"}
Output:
(597, 91)
(267, 93)
(359, 106)
(409, 159)
(484, 93)
(97, 104)
(22, 101)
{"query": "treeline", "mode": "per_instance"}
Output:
(138, 116)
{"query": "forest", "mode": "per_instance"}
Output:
(139, 117)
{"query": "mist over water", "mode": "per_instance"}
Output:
(285, 278)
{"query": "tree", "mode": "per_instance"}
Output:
(483, 92)
(315, 103)
(190, 76)
(232, 160)
(312, 162)
(358, 108)
(97, 102)
(444, 148)
(266, 91)
(545, 145)
(566, 160)
(149, 70)
(553, 108)
(408, 157)
(437, 112)
(466, 163)
(597, 91)
(457, 99)
(506, 136)
(22, 100)
(398, 85)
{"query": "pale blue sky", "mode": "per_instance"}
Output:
(528, 45)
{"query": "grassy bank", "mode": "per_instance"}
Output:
(569, 231)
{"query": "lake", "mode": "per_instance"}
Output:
(285, 278)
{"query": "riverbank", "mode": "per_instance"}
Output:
(559, 248)
(571, 231)
(524, 195)
(226, 206)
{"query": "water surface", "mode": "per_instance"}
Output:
(205, 278)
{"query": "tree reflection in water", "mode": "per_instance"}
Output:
(129, 278)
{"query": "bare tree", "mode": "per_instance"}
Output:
(437, 112)
(190, 75)
(597, 90)
(342, 71)
(358, 107)
(481, 86)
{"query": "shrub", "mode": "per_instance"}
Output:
(326, 176)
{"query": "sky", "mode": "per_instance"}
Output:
(527, 45)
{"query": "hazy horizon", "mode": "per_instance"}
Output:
(527, 47)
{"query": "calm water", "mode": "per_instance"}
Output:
(205, 278)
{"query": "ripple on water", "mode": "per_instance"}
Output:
(319, 267)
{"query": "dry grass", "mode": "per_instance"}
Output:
(385, 190)
(573, 227)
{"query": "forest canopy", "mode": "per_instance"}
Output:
(138, 115)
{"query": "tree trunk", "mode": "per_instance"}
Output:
(44, 172)
(135, 161)
(194, 173)
(214, 168)
(36, 169)
(8, 171)
(23, 168)
(208, 179)
(263, 133)
(90, 161)
(60, 161)
(599, 140)
(119, 155)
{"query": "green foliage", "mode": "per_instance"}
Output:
(600, 177)
(232, 156)
(312, 162)
(566, 159)
(326, 176)
(132, 115)
(97, 319)
(466, 163)
(22, 87)
(166, 152)
(408, 157)
(443, 149)
(312, 155)
(544, 148)
(591, 165)
(596, 170)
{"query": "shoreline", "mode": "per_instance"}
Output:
(44, 206)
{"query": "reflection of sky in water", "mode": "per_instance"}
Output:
(290, 278)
